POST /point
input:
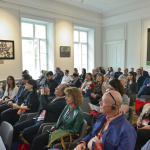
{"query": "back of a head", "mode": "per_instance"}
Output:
(75, 75)
(26, 76)
(33, 82)
(63, 87)
(50, 73)
(123, 77)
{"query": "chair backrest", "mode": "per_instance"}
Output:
(6, 133)
(85, 106)
(82, 132)
(130, 115)
(89, 119)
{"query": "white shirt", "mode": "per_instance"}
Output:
(66, 79)
(12, 93)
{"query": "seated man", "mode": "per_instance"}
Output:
(19, 98)
(76, 81)
(30, 104)
(94, 73)
(145, 89)
(126, 72)
(57, 75)
(144, 73)
(112, 131)
(52, 84)
(143, 127)
(117, 74)
(49, 113)
(42, 80)
(66, 79)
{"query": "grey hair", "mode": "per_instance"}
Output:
(106, 75)
(124, 78)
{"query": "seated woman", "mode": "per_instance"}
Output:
(100, 89)
(71, 119)
(31, 104)
(83, 75)
(110, 72)
(88, 84)
(76, 82)
(116, 85)
(11, 89)
(131, 83)
(139, 78)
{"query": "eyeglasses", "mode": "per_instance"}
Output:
(112, 96)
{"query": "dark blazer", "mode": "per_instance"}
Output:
(32, 102)
(76, 84)
(140, 81)
(23, 96)
(52, 84)
(145, 74)
(133, 87)
(53, 109)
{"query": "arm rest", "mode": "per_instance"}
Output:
(42, 126)
(22, 117)
(31, 115)
(47, 127)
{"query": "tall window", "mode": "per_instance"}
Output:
(80, 50)
(34, 48)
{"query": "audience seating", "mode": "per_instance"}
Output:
(130, 115)
(89, 119)
(82, 135)
(85, 106)
(6, 133)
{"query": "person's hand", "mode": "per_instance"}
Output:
(145, 126)
(93, 95)
(10, 104)
(81, 146)
(15, 106)
(1, 101)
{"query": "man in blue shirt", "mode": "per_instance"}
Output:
(111, 131)
(117, 74)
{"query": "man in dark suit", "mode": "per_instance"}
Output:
(144, 73)
(49, 113)
(19, 98)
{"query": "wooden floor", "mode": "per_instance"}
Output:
(134, 118)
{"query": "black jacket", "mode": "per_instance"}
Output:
(76, 84)
(52, 84)
(53, 109)
(23, 96)
(133, 87)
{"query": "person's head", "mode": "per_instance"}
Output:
(59, 90)
(31, 85)
(106, 78)
(25, 78)
(89, 77)
(73, 96)
(126, 71)
(111, 103)
(123, 79)
(141, 68)
(132, 69)
(83, 71)
(57, 70)
(119, 69)
(11, 82)
(44, 73)
(97, 69)
(25, 72)
(139, 72)
(94, 72)
(66, 72)
(110, 69)
(100, 78)
(75, 70)
(49, 75)
(131, 76)
(75, 76)
(116, 85)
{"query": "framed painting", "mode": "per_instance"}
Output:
(65, 51)
(6, 49)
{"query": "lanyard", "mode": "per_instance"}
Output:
(19, 94)
(102, 131)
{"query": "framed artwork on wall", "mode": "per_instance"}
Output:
(6, 49)
(65, 51)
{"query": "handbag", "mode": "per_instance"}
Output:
(97, 146)
(24, 146)
(60, 136)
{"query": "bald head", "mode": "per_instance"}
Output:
(116, 95)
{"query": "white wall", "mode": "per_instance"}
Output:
(10, 30)
(61, 15)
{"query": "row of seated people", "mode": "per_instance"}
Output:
(58, 108)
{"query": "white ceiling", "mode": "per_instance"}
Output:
(108, 8)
